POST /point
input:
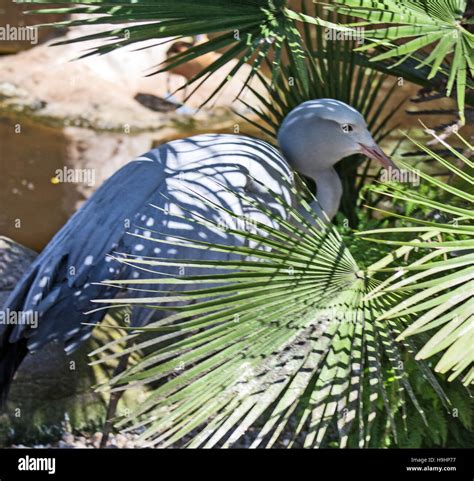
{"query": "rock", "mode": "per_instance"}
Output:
(99, 155)
(56, 114)
(68, 438)
(52, 392)
(63, 445)
(14, 260)
(95, 439)
(99, 93)
(121, 440)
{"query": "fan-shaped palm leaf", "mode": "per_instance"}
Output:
(441, 285)
(287, 335)
(405, 27)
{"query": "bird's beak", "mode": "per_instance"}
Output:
(375, 152)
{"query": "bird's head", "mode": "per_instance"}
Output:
(319, 133)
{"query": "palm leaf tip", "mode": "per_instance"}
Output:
(405, 30)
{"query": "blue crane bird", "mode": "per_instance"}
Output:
(152, 193)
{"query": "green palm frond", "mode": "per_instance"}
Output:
(334, 73)
(248, 30)
(405, 27)
(286, 340)
(251, 31)
(441, 284)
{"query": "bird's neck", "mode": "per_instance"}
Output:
(329, 192)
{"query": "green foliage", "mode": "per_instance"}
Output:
(307, 336)
(441, 283)
(365, 253)
(405, 27)
(254, 30)
(299, 321)
(301, 340)
(451, 427)
(249, 30)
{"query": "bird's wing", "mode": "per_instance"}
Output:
(46, 304)
(148, 196)
(66, 264)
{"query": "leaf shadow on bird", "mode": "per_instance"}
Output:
(155, 193)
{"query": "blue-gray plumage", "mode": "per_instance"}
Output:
(150, 194)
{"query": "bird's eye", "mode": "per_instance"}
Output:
(346, 128)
